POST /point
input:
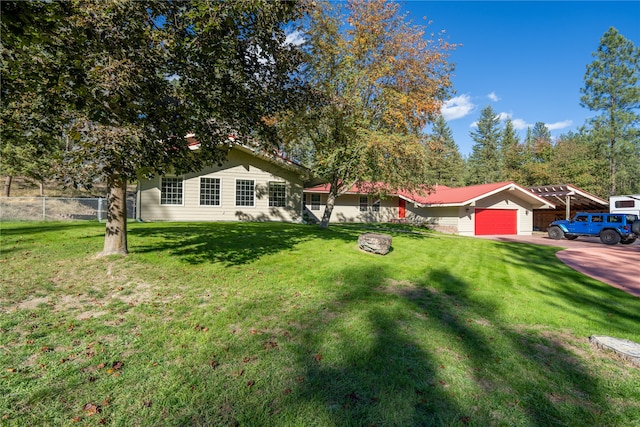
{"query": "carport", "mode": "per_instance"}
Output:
(568, 200)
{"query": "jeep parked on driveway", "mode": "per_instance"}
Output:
(611, 228)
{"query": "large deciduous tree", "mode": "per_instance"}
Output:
(611, 88)
(377, 79)
(31, 49)
(132, 78)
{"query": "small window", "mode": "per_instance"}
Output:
(245, 192)
(625, 203)
(210, 191)
(375, 206)
(364, 203)
(277, 194)
(581, 219)
(615, 218)
(171, 191)
(315, 202)
(596, 218)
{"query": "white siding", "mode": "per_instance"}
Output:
(347, 209)
(240, 165)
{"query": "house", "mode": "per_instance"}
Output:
(497, 208)
(568, 199)
(251, 185)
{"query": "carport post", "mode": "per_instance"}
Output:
(568, 207)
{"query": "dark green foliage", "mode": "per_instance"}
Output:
(446, 165)
(484, 162)
(612, 90)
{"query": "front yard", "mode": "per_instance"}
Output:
(287, 325)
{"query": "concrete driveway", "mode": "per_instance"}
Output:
(617, 265)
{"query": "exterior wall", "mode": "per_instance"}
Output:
(444, 219)
(347, 209)
(509, 200)
(240, 165)
(452, 219)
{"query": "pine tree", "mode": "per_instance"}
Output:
(484, 162)
(510, 154)
(445, 161)
(611, 88)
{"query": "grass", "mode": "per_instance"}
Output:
(287, 325)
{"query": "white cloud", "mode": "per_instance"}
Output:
(457, 107)
(492, 96)
(504, 116)
(295, 38)
(520, 124)
(559, 125)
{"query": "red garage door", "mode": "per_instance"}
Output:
(496, 221)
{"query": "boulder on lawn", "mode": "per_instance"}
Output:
(375, 243)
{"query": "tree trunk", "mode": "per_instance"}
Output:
(41, 185)
(115, 238)
(326, 216)
(7, 185)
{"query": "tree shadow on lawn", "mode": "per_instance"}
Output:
(228, 243)
(605, 305)
(401, 377)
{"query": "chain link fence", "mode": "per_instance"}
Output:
(57, 208)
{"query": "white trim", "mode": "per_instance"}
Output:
(181, 177)
(200, 192)
(235, 194)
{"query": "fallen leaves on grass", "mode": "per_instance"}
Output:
(91, 409)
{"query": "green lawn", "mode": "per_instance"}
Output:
(288, 325)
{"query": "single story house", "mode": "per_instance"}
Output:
(251, 185)
(485, 209)
(568, 200)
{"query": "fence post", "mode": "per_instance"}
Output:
(99, 209)
(44, 208)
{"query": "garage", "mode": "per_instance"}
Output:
(496, 221)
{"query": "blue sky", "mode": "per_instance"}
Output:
(526, 59)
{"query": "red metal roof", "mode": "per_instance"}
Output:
(440, 195)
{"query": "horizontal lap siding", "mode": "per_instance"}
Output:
(239, 165)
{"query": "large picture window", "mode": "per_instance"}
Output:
(210, 191)
(245, 192)
(277, 194)
(171, 191)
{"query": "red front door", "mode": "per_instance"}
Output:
(402, 208)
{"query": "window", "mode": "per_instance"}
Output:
(277, 194)
(244, 192)
(625, 203)
(615, 218)
(171, 191)
(596, 218)
(315, 202)
(210, 191)
(364, 203)
(375, 207)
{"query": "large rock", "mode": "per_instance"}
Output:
(375, 243)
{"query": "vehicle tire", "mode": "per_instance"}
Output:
(609, 237)
(556, 233)
(635, 227)
(629, 241)
(570, 236)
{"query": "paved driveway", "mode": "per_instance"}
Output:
(617, 265)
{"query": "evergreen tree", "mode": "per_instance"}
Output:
(446, 165)
(611, 88)
(484, 162)
(510, 154)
